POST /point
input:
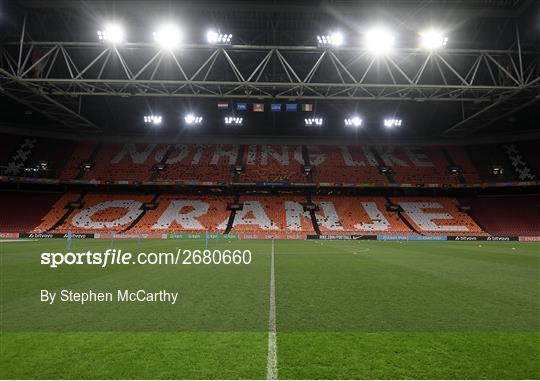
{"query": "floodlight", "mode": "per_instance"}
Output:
(113, 34)
(433, 39)
(379, 41)
(337, 39)
(212, 36)
(153, 119)
(391, 123)
(191, 119)
(168, 36)
(313, 121)
(333, 39)
(233, 120)
(354, 121)
(216, 38)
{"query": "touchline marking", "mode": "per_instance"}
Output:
(271, 369)
(17, 240)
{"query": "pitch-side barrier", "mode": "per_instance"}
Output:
(268, 236)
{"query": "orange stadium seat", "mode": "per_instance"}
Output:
(437, 215)
(179, 213)
(55, 152)
(272, 163)
(364, 215)
(425, 165)
(334, 169)
(462, 159)
(80, 155)
(22, 211)
(133, 162)
(56, 212)
(506, 215)
(484, 157)
(123, 162)
(200, 163)
(272, 214)
(105, 213)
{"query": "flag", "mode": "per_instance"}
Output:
(275, 107)
(223, 105)
(241, 106)
(307, 107)
(258, 107)
(291, 107)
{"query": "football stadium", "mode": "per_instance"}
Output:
(331, 189)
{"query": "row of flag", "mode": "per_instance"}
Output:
(274, 107)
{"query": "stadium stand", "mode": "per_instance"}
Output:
(197, 162)
(530, 151)
(345, 165)
(130, 162)
(272, 213)
(18, 161)
(22, 211)
(138, 162)
(484, 158)
(79, 156)
(506, 215)
(172, 213)
(437, 215)
(459, 157)
(271, 163)
(354, 215)
(415, 165)
(122, 162)
(54, 152)
(8, 144)
(186, 214)
(103, 212)
(518, 161)
(58, 210)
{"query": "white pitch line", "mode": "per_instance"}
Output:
(364, 250)
(17, 240)
(271, 369)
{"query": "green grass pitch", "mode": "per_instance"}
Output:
(344, 309)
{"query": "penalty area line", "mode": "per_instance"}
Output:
(271, 368)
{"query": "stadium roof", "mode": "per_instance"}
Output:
(486, 81)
